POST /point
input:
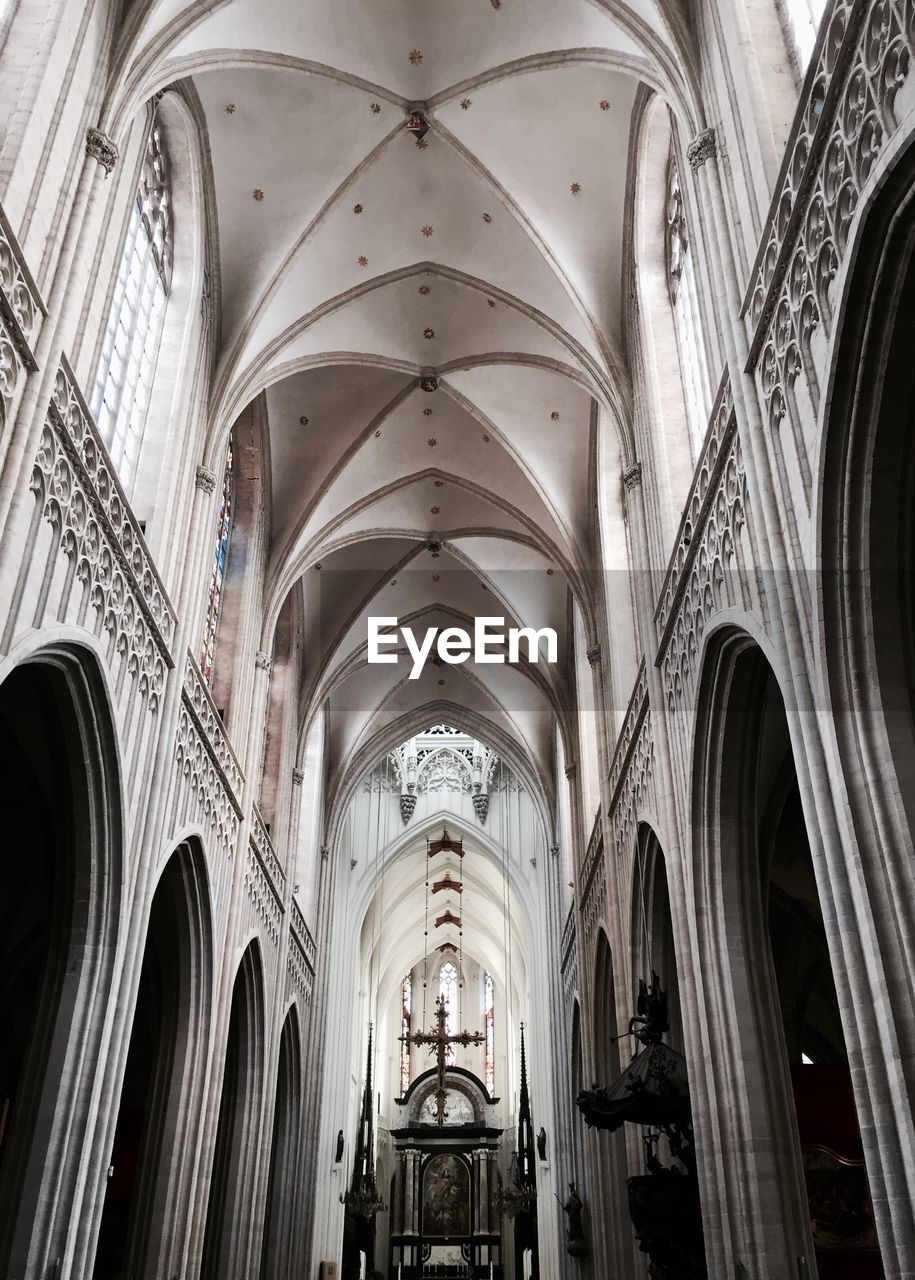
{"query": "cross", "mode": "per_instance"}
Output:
(439, 1042)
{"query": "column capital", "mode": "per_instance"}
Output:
(703, 147)
(594, 655)
(632, 476)
(101, 148)
(263, 661)
(298, 777)
(571, 772)
(205, 479)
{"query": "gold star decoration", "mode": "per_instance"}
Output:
(421, 143)
(490, 301)
(375, 108)
(604, 104)
(487, 217)
(554, 416)
(303, 420)
(439, 484)
(434, 511)
(432, 442)
(549, 573)
(428, 333)
(427, 413)
(377, 434)
(485, 439)
(436, 577)
(465, 104)
(357, 208)
(426, 230)
(576, 187)
(257, 195)
(416, 56)
(230, 108)
(424, 289)
(362, 260)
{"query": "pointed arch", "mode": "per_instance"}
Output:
(60, 895)
(227, 1243)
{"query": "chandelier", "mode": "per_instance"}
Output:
(515, 1198)
(363, 1198)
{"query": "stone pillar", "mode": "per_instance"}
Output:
(411, 1192)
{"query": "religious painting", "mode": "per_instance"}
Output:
(446, 1198)
(841, 1214)
(458, 1109)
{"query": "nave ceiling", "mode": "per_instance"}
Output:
(354, 259)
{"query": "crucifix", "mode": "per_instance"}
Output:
(439, 1042)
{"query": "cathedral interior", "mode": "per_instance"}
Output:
(333, 952)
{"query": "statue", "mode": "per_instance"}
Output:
(572, 1208)
(576, 1245)
(651, 1020)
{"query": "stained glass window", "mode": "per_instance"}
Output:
(489, 1067)
(406, 1015)
(448, 990)
(218, 571)
(130, 351)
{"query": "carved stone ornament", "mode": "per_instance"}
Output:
(703, 147)
(428, 382)
(571, 772)
(205, 479)
(263, 661)
(407, 805)
(101, 148)
(594, 655)
(298, 777)
(481, 805)
(632, 476)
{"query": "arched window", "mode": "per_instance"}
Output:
(448, 991)
(489, 1023)
(801, 19)
(130, 351)
(681, 284)
(218, 571)
(406, 1016)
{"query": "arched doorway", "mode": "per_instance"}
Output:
(228, 1225)
(59, 884)
(785, 1106)
(139, 1231)
(279, 1221)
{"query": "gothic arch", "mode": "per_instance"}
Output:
(754, 858)
(652, 930)
(61, 811)
(230, 1215)
(146, 1210)
(280, 1220)
(605, 1022)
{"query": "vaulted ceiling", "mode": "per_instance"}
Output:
(354, 259)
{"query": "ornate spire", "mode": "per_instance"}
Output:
(362, 1197)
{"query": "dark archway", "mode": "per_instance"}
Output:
(279, 1220)
(169, 1023)
(59, 886)
(228, 1222)
(806, 1193)
(653, 930)
(866, 532)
